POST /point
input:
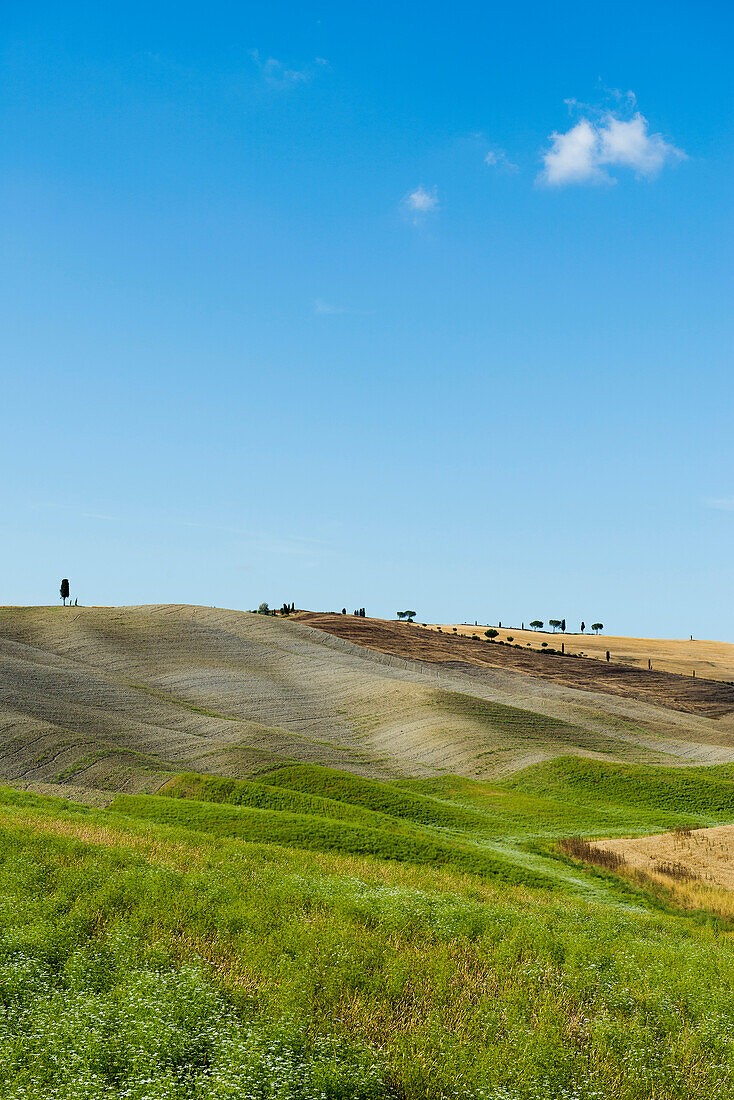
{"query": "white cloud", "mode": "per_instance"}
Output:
(278, 75)
(572, 157)
(497, 158)
(624, 100)
(630, 144)
(421, 201)
(586, 152)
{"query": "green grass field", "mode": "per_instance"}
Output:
(371, 794)
(318, 935)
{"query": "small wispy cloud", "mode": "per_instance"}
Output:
(625, 101)
(720, 504)
(327, 309)
(497, 158)
(278, 75)
(74, 510)
(420, 203)
(587, 151)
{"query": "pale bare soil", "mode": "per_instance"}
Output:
(710, 659)
(105, 699)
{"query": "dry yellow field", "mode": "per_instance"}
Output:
(702, 855)
(714, 660)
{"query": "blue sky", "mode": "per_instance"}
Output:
(386, 305)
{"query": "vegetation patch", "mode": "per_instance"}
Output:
(236, 971)
(302, 831)
(372, 794)
(244, 792)
(578, 848)
(95, 1020)
(705, 793)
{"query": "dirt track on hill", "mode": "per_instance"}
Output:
(710, 698)
(119, 699)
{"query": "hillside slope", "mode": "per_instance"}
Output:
(698, 695)
(120, 699)
(712, 660)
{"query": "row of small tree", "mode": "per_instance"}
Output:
(538, 624)
(286, 609)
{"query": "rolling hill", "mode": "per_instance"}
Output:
(98, 700)
(286, 863)
(565, 659)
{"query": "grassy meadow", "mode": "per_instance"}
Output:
(314, 934)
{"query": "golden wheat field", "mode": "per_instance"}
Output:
(710, 659)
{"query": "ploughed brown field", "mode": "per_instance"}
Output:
(694, 695)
